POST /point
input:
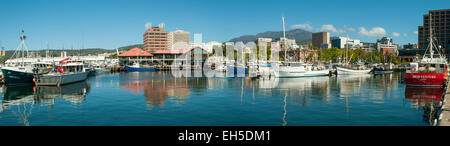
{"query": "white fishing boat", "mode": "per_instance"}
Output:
(359, 69)
(65, 74)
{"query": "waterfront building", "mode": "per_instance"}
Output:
(369, 47)
(321, 40)
(410, 46)
(160, 58)
(341, 42)
(387, 46)
(206, 46)
(135, 55)
(291, 44)
(410, 55)
(178, 36)
(440, 23)
(155, 38)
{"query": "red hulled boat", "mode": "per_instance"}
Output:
(431, 70)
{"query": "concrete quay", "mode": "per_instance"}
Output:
(444, 117)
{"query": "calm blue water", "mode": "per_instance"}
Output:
(156, 98)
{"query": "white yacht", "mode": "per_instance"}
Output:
(298, 69)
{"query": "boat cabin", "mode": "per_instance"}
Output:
(73, 68)
(428, 68)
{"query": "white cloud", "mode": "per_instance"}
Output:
(329, 27)
(303, 26)
(148, 25)
(376, 31)
(416, 32)
(395, 34)
(348, 28)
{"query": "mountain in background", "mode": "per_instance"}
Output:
(74, 52)
(300, 36)
(126, 48)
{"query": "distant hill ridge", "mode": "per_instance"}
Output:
(299, 35)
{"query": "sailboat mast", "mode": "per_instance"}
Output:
(284, 39)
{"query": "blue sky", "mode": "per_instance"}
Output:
(115, 23)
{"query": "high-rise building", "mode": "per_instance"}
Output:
(321, 39)
(177, 37)
(155, 38)
(440, 23)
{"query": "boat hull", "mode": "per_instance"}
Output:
(343, 71)
(60, 79)
(13, 76)
(383, 72)
(425, 79)
(237, 69)
(129, 68)
(102, 71)
(282, 74)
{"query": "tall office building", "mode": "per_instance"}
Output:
(440, 23)
(321, 39)
(177, 36)
(155, 38)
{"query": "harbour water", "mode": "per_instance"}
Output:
(157, 98)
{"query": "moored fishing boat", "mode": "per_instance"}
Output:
(18, 72)
(101, 70)
(138, 67)
(383, 69)
(432, 70)
(65, 74)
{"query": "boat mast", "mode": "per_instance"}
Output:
(22, 38)
(284, 39)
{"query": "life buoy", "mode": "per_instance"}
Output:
(413, 69)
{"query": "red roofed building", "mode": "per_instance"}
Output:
(135, 54)
(161, 58)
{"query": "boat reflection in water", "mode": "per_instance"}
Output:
(75, 93)
(157, 87)
(426, 99)
(21, 99)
